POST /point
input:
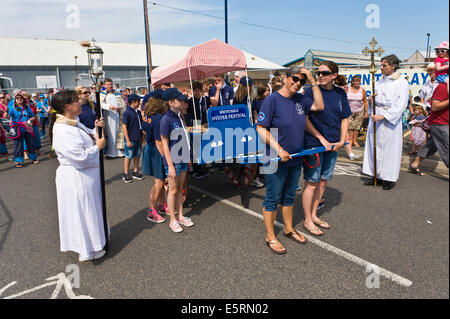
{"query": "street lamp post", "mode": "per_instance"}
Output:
(373, 70)
(95, 58)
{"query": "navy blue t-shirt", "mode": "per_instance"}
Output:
(189, 119)
(87, 116)
(328, 121)
(256, 105)
(133, 120)
(151, 127)
(289, 116)
(203, 104)
(171, 122)
(226, 93)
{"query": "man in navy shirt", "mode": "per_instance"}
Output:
(332, 123)
(221, 93)
(132, 131)
(202, 103)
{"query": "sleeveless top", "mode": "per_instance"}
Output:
(355, 100)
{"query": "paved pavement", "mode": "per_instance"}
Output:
(404, 232)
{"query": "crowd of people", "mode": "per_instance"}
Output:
(308, 111)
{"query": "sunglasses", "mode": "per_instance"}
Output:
(19, 97)
(86, 92)
(441, 51)
(297, 79)
(324, 73)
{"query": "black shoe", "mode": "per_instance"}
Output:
(127, 178)
(388, 185)
(370, 182)
(138, 176)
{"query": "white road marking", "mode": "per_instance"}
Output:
(359, 261)
(60, 281)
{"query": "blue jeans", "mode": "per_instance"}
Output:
(314, 172)
(281, 187)
(179, 168)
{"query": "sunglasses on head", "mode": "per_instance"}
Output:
(297, 79)
(324, 73)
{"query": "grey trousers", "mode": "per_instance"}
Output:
(438, 142)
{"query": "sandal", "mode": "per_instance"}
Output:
(313, 230)
(19, 166)
(321, 223)
(417, 171)
(36, 161)
(291, 235)
(275, 242)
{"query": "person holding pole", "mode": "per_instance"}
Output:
(391, 99)
(78, 187)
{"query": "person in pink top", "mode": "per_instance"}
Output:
(441, 63)
(357, 99)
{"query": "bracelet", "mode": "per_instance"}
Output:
(280, 150)
(313, 85)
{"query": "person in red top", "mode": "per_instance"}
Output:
(438, 122)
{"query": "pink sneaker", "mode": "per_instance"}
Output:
(162, 208)
(153, 216)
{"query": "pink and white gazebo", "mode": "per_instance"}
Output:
(207, 59)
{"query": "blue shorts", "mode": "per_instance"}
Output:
(441, 78)
(133, 152)
(314, 173)
(281, 187)
(179, 168)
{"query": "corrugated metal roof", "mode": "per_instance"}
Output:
(51, 52)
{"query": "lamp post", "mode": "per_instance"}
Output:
(76, 72)
(95, 58)
(427, 58)
(373, 70)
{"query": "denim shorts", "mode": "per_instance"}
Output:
(281, 187)
(179, 168)
(133, 152)
(314, 172)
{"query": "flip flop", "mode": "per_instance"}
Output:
(417, 171)
(313, 229)
(18, 165)
(275, 242)
(320, 223)
(291, 234)
(36, 161)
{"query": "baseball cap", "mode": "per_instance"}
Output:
(243, 81)
(133, 97)
(173, 93)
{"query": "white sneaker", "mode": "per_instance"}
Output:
(352, 156)
(257, 183)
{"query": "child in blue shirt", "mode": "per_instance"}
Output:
(176, 147)
(152, 157)
(132, 131)
(43, 114)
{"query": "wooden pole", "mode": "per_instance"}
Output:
(148, 46)
(98, 115)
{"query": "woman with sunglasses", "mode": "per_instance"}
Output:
(21, 121)
(332, 123)
(285, 113)
(87, 116)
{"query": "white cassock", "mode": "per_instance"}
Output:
(112, 121)
(78, 188)
(391, 101)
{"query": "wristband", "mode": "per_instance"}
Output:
(280, 150)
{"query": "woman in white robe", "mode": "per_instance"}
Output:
(78, 185)
(391, 100)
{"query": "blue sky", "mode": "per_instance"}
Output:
(403, 24)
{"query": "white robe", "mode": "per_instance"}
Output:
(78, 190)
(112, 120)
(391, 101)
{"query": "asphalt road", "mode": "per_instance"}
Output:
(404, 231)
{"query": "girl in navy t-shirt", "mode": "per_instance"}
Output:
(152, 162)
(176, 147)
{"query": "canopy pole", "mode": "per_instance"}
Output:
(248, 96)
(193, 97)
